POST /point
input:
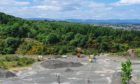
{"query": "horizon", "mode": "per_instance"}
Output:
(77, 19)
(73, 9)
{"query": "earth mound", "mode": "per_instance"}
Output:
(54, 64)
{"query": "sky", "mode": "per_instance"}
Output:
(72, 9)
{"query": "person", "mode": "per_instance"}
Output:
(94, 58)
(78, 55)
(40, 58)
(58, 78)
(90, 59)
(78, 51)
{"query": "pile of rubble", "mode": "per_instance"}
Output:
(54, 64)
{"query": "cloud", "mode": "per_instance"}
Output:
(57, 5)
(11, 6)
(47, 7)
(72, 8)
(128, 2)
(64, 9)
(13, 3)
(67, 4)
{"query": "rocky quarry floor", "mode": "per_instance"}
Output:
(72, 70)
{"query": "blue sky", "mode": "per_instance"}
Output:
(72, 9)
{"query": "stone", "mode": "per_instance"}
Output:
(6, 74)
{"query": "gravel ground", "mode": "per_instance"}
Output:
(100, 72)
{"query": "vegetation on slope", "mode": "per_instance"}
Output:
(18, 36)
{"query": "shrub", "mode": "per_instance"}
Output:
(63, 50)
(30, 47)
(25, 61)
(137, 52)
(126, 72)
(52, 38)
(7, 62)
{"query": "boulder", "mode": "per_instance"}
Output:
(6, 74)
(69, 70)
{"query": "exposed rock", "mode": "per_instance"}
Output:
(53, 64)
(6, 74)
(68, 70)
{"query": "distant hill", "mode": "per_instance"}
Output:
(40, 19)
(92, 21)
(111, 21)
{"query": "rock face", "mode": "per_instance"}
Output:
(53, 64)
(6, 74)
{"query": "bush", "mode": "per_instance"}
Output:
(30, 47)
(9, 58)
(10, 45)
(122, 53)
(137, 52)
(52, 38)
(63, 50)
(25, 61)
(126, 72)
(7, 62)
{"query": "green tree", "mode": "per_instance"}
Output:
(10, 45)
(52, 38)
(79, 40)
(69, 36)
(104, 46)
(16, 30)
